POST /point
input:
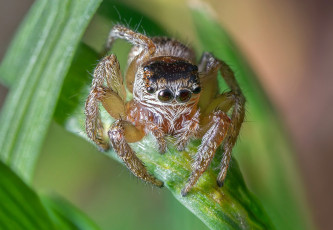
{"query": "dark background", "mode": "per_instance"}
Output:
(289, 44)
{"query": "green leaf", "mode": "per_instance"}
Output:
(65, 216)
(35, 66)
(21, 208)
(232, 207)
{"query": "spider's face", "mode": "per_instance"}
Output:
(170, 80)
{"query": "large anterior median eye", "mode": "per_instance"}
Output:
(165, 95)
(183, 95)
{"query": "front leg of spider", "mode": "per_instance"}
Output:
(189, 130)
(107, 86)
(211, 140)
(159, 136)
(237, 118)
(221, 126)
(117, 134)
(108, 89)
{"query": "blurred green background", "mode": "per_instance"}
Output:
(285, 43)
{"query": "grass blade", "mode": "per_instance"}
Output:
(65, 216)
(36, 64)
(21, 208)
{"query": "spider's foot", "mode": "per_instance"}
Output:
(221, 177)
(181, 144)
(104, 147)
(160, 184)
(188, 186)
(162, 146)
(184, 192)
(220, 183)
(156, 182)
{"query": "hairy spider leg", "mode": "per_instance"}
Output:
(108, 89)
(117, 135)
(107, 86)
(211, 140)
(158, 134)
(123, 132)
(131, 36)
(237, 118)
(137, 39)
(94, 125)
(190, 129)
(209, 67)
(224, 102)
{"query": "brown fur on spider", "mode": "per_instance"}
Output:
(172, 95)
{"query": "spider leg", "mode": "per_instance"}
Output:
(237, 118)
(189, 130)
(225, 102)
(118, 134)
(211, 140)
(107, 88)
(208, 69)
(108, 70)
(223, 127)
(94, 125)
(137, 39)
(131, 36)
(159, 135)
(222, 102)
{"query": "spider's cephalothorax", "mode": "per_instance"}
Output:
(167, 79)
(172, 95)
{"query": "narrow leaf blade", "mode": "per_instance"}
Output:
(66, 216)
(36, 65)
(20, 207)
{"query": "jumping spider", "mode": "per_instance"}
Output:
(172, 95)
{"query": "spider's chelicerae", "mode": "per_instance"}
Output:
(172, 95)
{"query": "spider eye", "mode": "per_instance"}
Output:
(165, 95)
(151, 89)
(183, 95)
(196, 90)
